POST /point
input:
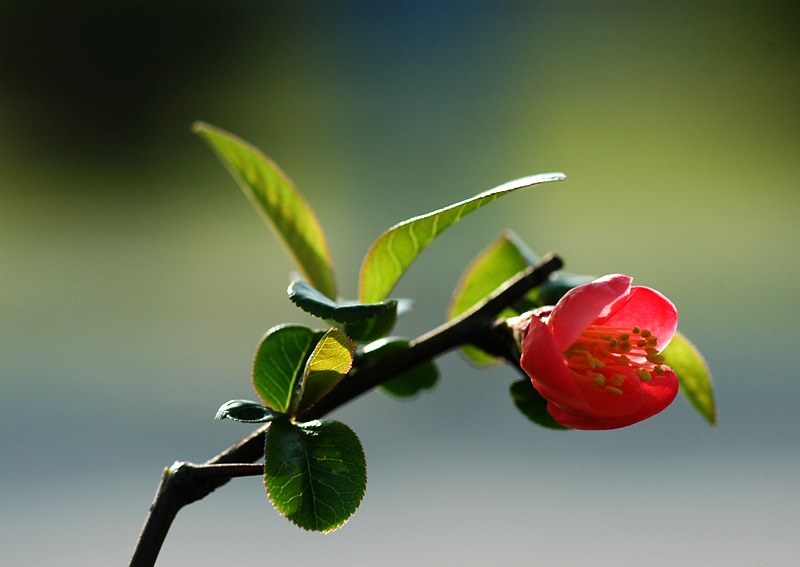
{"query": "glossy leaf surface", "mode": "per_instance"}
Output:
(693, 376)
(390, 255)
(315, 473)
(279, 202)
(317, 304)
(280, 362)
(246, 411)
(329, 362)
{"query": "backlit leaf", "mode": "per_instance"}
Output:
(693, 376)
(390, 255)
(315, 473)
(328, 364)
(278, 201)
(501, 260)
(280, 362)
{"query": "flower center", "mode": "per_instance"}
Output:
(606, 357)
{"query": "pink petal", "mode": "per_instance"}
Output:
(582, 305)
(543, 361)
(657, 395)
(607, 404)
(648, 309)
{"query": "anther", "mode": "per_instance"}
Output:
(643, 374)
(612, 390)
(637, 330)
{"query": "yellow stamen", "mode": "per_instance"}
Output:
(606, 357)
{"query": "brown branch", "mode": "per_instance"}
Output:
(184, 483)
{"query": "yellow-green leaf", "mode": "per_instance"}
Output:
(492, 267)
(279, 202)
(693, 376)
(328, 364)
(392, 253)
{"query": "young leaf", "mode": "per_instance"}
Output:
(279, 202)
(279, 363)
(328, 364)
(410, 383)
(246, 411)
(532, 404)
(315, 303)
(315, 473)
(501, 260)
(693, 376)
(390, 255)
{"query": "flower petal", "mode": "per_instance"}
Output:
(657, 395)
(543, 361)
(582, 305)
(648, 309)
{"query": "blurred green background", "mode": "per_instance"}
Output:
(136, 280)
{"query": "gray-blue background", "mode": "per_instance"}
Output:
(136, 280)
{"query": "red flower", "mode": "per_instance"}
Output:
(595, 356)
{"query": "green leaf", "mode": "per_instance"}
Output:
(373, 328)
(315, 473)
(502, 259)
(328, 364)
(279, 202)
(280, 362)
(390, 255)
(693, 376)
(315, 303)
(246, 411)
(532, 404)
(410, 383)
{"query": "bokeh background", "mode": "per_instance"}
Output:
(136, 280)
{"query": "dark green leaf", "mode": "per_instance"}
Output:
(280, 362)
(315, 473)
(532, 404)
(410, 383)
(312, 301)
(693, 376)
(390, 255)
(246, 411)
(328, 364)
(413, 382)
(373, 328)
(279, 202)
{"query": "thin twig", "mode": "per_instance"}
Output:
(184, 483)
